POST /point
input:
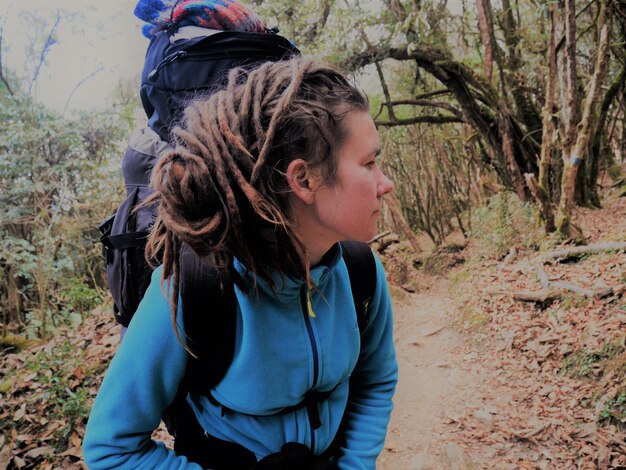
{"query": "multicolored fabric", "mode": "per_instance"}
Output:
(223, 15)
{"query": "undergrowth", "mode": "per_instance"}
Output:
(505, 223)
(594, 364)
(55, 383)
(614, 410)
(609, 360)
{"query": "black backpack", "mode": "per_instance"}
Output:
(174, 73)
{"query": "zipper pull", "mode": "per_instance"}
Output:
(309, 305)
(152, 76)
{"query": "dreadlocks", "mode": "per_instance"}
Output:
(222, 190)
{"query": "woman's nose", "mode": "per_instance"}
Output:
(385, 185)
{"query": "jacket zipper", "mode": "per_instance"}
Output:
(309, 329)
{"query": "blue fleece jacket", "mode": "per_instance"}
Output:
(281, 352)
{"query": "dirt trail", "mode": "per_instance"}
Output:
(435, 383)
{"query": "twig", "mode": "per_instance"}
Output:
(379, 236)
(434, 332)
(79, 84)
(2, 77)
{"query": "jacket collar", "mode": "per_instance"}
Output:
(288, 288)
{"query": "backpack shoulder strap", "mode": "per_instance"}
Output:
(209, 317)
(362, 273)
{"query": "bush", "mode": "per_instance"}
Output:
(505, 222)
(58, 179)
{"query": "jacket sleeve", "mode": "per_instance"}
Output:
(372, 385)
(140, 383)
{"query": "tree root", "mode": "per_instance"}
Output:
(566, 253)
(554, 290)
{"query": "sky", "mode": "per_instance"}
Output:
(100, 39)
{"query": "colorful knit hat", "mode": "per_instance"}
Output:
(224, 15)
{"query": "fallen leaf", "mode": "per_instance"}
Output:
(75, 451)
(79, 372)
(19, 414)
(5, 457)
(19, 462)
(38, 452)
(76, 440)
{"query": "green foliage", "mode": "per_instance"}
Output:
(460, 277)
(614, 411)
(571, 300)
(80, 297)
(52, 369)
(609, 360)
(592, 364)
(58, 179)
(505, 222)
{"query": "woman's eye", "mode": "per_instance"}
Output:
(370, 164)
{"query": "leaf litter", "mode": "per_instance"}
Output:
(552, 377)
(556, 390)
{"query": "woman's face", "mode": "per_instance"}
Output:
(348, 208)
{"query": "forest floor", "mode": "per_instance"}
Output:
(489, 381)
(486, 381)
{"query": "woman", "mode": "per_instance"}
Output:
(267, 176)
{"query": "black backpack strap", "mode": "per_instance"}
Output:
(362, 272)
(209, 316)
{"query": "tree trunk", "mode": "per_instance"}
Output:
(596, 149)
(570, 121)
(14, 303)
(577, 154)
(509, 152)
(515, 80)
(487, 36)
(542, 187)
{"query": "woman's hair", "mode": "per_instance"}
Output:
(223, 191)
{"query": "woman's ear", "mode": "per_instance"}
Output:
(301, 180)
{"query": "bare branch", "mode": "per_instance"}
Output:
(44, 51)
(553, 292)
(381, 77)
(432, 94)
(78, 85)
(2, 77)
(420, 119)
(428, 103)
